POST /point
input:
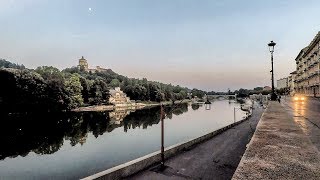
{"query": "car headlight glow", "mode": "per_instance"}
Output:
(302, 98)
(296, 98)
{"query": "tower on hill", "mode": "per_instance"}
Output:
(83, 64)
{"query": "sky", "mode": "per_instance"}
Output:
(204, 44)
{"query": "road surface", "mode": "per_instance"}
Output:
(307, 115)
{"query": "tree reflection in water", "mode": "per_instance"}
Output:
(45, 133)
(195, 106)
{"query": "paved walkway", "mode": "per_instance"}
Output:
(216, 158)
(279, 150)
(307, 115)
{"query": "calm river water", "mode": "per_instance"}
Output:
(75, 145)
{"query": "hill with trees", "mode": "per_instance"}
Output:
(46, 88)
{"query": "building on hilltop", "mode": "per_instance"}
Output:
(100, 69)
(84, 66)
(307, 77)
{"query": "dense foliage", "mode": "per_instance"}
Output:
(246, 92)
(46, 88)
(7, 64)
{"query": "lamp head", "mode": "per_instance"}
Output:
(271, 46)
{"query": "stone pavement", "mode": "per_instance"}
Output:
(279, 150)
(307, 115)
(216, 158)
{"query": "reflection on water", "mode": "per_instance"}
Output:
(45, 133)
(75, 145)
(195, 106)
(118, 115)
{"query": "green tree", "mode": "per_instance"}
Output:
(99, 92)
(114, 83)
(74, 88)
(7, 64)
(85, 89)
(49, 73)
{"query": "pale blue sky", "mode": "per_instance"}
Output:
(206, 44)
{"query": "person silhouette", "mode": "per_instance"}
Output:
(279, 98)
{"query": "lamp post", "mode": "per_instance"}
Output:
(162, 135)
(271, 49)
(234, 114)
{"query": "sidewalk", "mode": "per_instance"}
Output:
(279, 150)
(216, 158)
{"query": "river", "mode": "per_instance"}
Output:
(76, 145)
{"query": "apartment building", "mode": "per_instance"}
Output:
(307, 80)
(282, 83)
(291, 83)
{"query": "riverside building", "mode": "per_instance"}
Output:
(291, 83)
(118, 97)
(307, 77)
(283, 83)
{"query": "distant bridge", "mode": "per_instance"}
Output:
(222, 96)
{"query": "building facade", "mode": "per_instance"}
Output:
(83, 64)
(282, 83)
(118, 97)
(267, 88)
(307, 78)
(291, 84)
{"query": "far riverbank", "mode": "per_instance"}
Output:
(132, 106)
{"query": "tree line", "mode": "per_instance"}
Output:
(46, 88)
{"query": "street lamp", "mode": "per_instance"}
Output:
(162, 116)
(271, 49)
